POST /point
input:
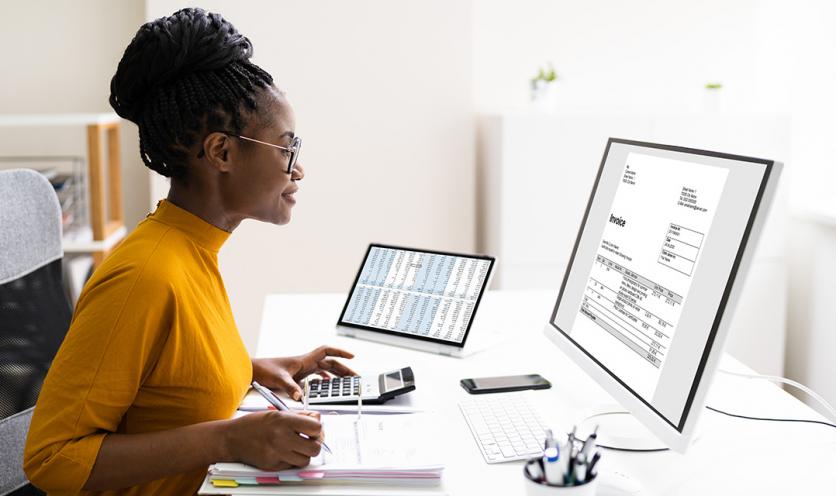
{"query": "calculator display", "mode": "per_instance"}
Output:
(392, 380)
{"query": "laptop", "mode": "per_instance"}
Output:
(420, 299)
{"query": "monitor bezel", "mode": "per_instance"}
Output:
(342, 323)
(720, 322)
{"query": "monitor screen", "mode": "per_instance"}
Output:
(654, 262)
(421, 294)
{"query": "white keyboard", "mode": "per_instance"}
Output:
(505, 427)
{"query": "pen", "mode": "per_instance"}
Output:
(563, 461)
(580, 469)
(572, 439)
(551, 465)
(307, 393)
(592, 470)
(589, 444)
(280, 405)
(570, 469)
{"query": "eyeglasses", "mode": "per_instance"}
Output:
(295, 146)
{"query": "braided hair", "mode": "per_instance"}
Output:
(182, 76)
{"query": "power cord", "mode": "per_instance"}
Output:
(783, 380)
(747, 417)
(771, 378)
(632, 450)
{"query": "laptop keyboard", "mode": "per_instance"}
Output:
(506, 428)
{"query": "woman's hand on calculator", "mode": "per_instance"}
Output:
(285, 373)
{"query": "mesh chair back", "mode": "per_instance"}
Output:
(34, 310)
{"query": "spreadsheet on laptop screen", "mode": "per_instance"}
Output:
(432, 295)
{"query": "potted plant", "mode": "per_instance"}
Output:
(543, 87)
(712, 99)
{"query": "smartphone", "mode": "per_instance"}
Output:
(501, 384)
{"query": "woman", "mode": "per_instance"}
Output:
(138, 398)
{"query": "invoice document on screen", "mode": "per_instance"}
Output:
(643, 269)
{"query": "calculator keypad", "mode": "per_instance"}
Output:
(335, 387)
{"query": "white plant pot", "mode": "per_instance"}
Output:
(544, 96)
(712, 101)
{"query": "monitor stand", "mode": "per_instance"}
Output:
(617, 428)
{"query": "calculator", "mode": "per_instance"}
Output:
(373, 390)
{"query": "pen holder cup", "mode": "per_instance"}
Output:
(538, 488)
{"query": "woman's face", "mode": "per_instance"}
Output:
(259, 186)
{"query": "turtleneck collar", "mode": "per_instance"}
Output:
(202, 232)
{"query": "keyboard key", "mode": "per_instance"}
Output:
(508, 452)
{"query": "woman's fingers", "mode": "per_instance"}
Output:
(286, 382)
(297, 459)
(336, 367)
(326, 351)
(307, 447)
(308, 425)
(312, 414)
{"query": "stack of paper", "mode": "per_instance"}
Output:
(387, 450)
(236, 475)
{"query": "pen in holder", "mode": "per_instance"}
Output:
(569, 468)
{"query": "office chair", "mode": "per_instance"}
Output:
(34, 310)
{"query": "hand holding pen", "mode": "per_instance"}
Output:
(270, 440)
(281, 406)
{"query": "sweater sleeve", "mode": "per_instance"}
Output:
(120, 325)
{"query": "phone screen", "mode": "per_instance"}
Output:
(509, 381)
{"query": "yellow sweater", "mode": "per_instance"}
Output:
(152, 346)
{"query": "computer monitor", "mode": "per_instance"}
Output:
(658, 264)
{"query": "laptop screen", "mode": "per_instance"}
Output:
(421, 294)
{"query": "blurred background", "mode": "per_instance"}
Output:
(476, 125)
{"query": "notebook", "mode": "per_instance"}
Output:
(397, 451)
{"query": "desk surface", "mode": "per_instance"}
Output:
(731, 456)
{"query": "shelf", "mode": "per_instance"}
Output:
(104, 175)
(93, 246)
(74, 119)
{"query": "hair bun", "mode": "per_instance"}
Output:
(188, 41)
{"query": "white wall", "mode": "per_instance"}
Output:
(643, 54)
(772, 56)
(811, 338)
(647, 56)
(382, 96)
(814, 105)
(59, 57)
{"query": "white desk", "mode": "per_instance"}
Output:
(732, 456)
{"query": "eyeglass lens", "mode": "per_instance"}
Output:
(295, 145)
